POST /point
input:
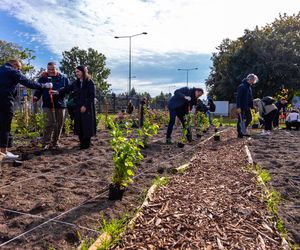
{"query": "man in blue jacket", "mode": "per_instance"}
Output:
(10, 76)
(244, 103)
(54, 106)
(179, 105)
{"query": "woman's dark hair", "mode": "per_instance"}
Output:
(84, 70)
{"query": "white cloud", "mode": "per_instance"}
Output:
(190, 26)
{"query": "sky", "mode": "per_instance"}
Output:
(180, 34)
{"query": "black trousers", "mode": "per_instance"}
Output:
(85, 142)
(247, 116)
(269, 118)
(180, 113)
(276, 119)
(295, 124)
(5, 126)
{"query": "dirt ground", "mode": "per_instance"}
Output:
(213, 205)
(68, 187)
(280, 155)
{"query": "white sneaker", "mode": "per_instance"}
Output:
(264, 133)
(268, 132)
(10, 155)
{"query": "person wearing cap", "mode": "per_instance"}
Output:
(54, 108)
(10, 76)
(244, 102)
(179, 105)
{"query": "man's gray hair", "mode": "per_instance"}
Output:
(252, 77)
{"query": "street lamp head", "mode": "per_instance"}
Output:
(196, 68)
(117, 37)
(144, 33)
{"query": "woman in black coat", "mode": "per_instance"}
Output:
(84, 106)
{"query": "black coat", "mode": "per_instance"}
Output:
(84, 123)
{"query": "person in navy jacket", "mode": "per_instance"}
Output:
(244, 102)
(179, 104)
(55, 108)
(10, 76)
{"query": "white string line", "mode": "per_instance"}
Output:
(54, 218)
(74, 208)
(41, 217)
(39, 175)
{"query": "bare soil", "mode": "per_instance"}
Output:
(279, 154)
(68, 187)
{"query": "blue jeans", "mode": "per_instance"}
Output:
(209, 116)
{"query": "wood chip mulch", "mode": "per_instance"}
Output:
(213, 205)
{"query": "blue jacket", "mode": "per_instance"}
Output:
(178, 100)
(244, 99)
(59, 81)
(9, 78)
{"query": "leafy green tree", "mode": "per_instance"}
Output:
(91, 58)
(13, 51)
(271, 52)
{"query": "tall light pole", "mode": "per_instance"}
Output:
(187, 74)
(129, 73)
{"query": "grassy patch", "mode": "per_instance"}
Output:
(159, 182)
(272, 199)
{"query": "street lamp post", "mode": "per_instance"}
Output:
(129, 73)
(187, 74)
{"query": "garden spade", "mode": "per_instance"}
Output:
(243, 125)
(52, 102)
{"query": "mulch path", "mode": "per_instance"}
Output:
(213, 205)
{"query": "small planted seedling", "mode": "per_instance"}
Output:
(216, 124)
(126, 157)
(149, 127)
(186, 130)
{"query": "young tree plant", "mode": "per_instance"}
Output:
(126, 157)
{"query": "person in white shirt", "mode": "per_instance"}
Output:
(293, 120)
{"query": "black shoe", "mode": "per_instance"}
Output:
(169, 141)
(240, 136)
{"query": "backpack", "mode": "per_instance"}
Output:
(268, 100)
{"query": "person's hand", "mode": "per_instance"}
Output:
(188, 98)
(82, 109)
(34, 99)
(47, 85)
(238, 110)
(54, 92)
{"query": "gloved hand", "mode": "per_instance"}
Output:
(47, 85)
(54, 92)
(188, 98)
(193, 110)
(34, 99)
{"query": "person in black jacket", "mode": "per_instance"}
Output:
(281, 107)
(54, 106)
(84, 106)
(10, 76)
(179, 104)
(244, 102)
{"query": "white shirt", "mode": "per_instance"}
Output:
(292, 117)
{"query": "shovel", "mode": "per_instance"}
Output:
(243, 125)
